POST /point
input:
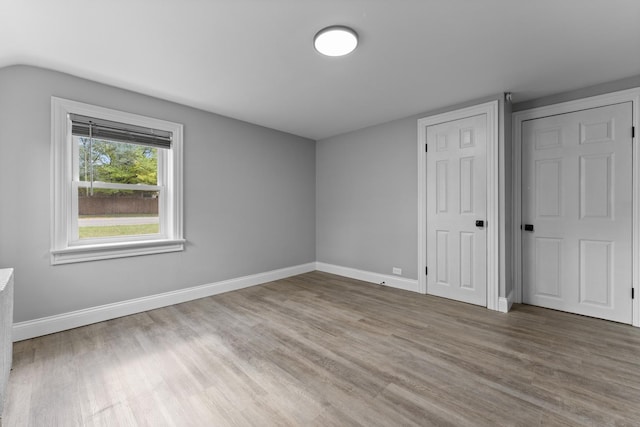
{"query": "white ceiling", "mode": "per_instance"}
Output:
(254, 59)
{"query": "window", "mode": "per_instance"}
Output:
(116, 184)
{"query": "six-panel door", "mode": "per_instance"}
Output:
(456, 199)
(577, 193)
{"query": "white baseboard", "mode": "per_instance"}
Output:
(504, 304)
(368, 276)
(74, 319)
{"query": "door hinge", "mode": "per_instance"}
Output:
(633, 294)
(633, 131)
(426, 271)
(426, 148)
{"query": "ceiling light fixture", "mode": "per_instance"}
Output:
(335, 40)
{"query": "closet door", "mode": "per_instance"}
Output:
(577, 212)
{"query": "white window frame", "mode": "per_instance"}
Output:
(66, 247)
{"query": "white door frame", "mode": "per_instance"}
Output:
(492, 225)
(630, 95)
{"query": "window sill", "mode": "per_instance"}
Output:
(115, 250)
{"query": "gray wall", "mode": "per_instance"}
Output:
(366, 196)
(255, 199)
(249, 199)
(614, 86)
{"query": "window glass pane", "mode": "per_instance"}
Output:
(116, 162)
(113, 213)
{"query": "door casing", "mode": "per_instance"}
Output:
(492, 226)
(630, 95)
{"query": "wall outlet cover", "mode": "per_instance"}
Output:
(397, 270)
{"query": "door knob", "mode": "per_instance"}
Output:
(479, 223)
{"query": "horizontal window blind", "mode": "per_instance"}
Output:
(122, 132)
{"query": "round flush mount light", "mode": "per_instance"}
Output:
(336, 40)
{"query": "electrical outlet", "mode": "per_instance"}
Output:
(397, 270)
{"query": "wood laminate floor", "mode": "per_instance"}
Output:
(322, 350)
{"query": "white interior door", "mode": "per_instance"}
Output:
(577, 212)
(456, 199)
